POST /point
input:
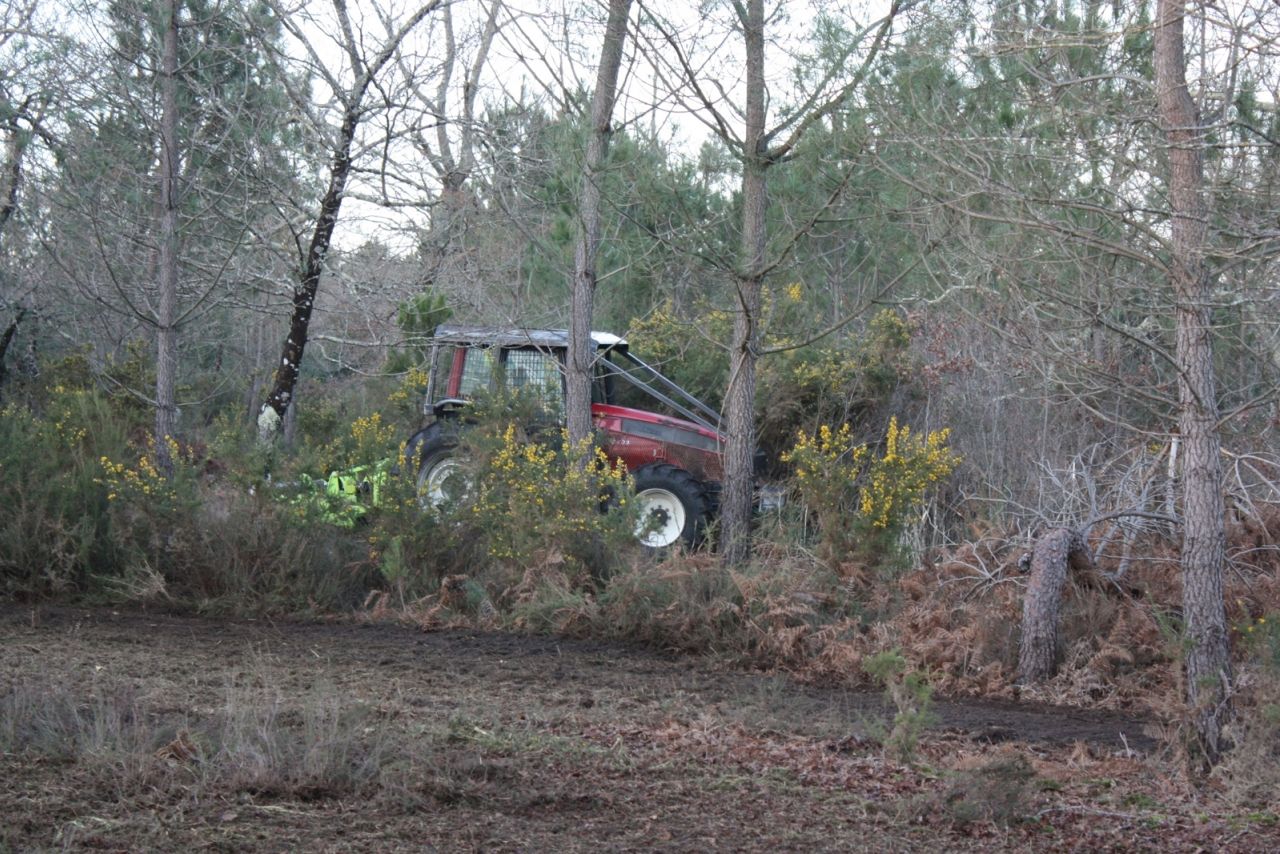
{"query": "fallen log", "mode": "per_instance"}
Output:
(1055, 553)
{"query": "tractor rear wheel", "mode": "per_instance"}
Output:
(672, 505)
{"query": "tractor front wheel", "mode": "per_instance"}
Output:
(442, 475)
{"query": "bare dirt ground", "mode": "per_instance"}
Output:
(253, 735)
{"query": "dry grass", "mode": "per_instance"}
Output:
(252, 744)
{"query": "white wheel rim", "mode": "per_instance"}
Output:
(661, 518)
(443, 482)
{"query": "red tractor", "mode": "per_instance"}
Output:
(675, 459)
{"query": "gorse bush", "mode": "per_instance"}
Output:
(534, 510)
(369, 438)
(220, 547)
(87, 513)
(530, 506)
(151, 514)
(847, 378)
(861, 499)
(897, 480)
(55, 529)
(533, 497)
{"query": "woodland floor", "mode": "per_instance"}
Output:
(498, 742)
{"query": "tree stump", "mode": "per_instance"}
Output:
(1054, 553)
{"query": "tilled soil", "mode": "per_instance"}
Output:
(491, 741)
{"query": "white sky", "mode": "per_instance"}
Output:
(545, 48)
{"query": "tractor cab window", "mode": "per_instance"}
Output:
(477, 371)
(537, 374)
(627, 393)
(532, 374)
(602, 384)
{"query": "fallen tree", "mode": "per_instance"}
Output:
(1054, 554)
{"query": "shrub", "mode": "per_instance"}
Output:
(862, 500)
(151, 514)
(56, 529)
(533, 506)
(1251, 771)
(800, 386)
(998, 791)
(912, 698)
(841, 379)
(534, 497)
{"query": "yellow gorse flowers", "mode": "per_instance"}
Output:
(370, 432)
(369, 438)
(140, 481)
(815, 454)
(897, 481)
(853, 492)
(411, 387)
(535, 482)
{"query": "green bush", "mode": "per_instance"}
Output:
(912, 698)
(845, 377)
(87, 513)
(534, 504)
(55, 530)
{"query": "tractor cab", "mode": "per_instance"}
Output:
(677, 429)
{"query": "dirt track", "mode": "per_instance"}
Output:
(530, 743)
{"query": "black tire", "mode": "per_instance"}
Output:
(672, 505)
(434, 451)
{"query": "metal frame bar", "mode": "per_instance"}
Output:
(431, 377)
(709, 418)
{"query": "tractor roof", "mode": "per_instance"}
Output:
(498, 336)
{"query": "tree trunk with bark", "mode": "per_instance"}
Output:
(582, 353)
(271, 417)
(1207, 667)
(740, 418)
(1055, 553)
(272, 414)
(6, 339)
(167, 272)
(12, 175)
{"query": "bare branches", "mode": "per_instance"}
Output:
(815, 108)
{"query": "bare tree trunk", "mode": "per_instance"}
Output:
(581, 351)
(5, 340)
(12, 175)
(304, 295)
(8, 205)
(1208, 663)
(1054, 553)
(454, 167)
(167, 299)
(271, 416)
(736, 498)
